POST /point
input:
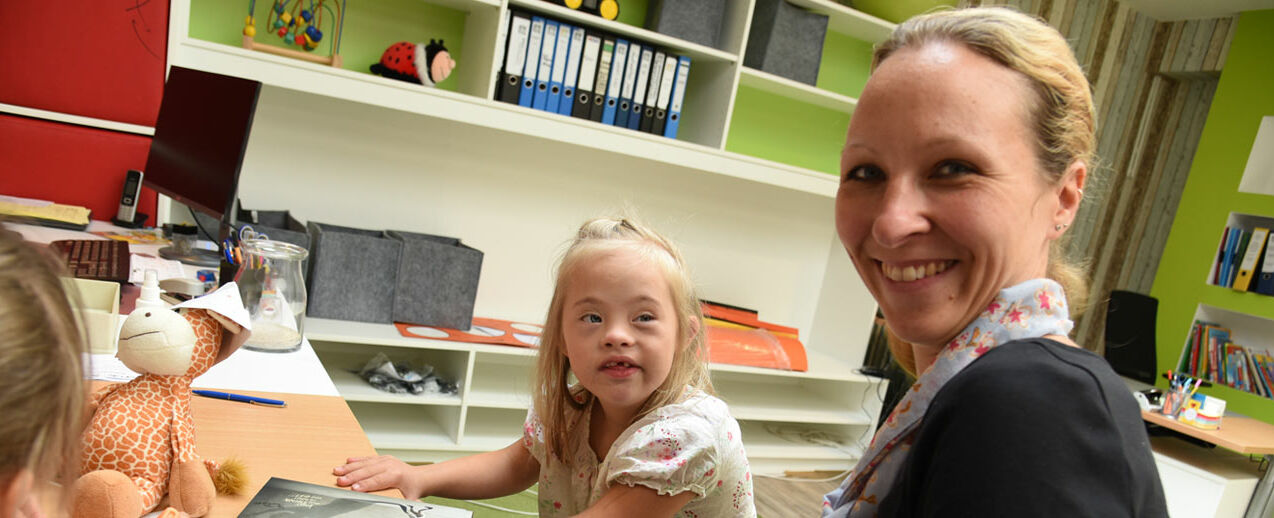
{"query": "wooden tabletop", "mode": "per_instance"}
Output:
(303, 441)
(1241, 434)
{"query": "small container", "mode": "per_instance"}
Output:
(273, 289)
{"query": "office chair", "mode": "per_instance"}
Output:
(1130, 334)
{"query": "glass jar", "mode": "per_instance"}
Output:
(273, 290)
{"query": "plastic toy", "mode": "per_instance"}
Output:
(140, 440)
(608, 9)
(405, 61)
(299, 23)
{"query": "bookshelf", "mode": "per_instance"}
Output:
(1213, 199)
(343, 146)
(1231, 257)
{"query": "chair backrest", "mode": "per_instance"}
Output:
(1130, 334)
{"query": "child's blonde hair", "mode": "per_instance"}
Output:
(557, 403)
(41, 381)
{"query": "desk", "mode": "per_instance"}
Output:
(1243, 435)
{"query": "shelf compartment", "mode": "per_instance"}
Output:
(487, 429)
(1246, 222)
(784, 440)
(798, 400)
(697, 53)
(848, 21)
(796, 90)
(403, 427)
(341, 359)
(500, 381)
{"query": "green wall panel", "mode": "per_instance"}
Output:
(370, 28)
(1244, 94)
(845, 65)
(776, 128)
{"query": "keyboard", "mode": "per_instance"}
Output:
(98, 259)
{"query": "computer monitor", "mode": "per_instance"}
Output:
(1130, 335)
(200, 137)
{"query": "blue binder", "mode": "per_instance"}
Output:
(527, 96)
(559, 68)
(569, 86)
(545, 65)
(678, 97)
(616, 78)
(626, 91)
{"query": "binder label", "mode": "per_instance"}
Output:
(537, 35)
(665, 88)
(515, 60)
(546, 53)
(572, 64)
(588, 67)
(603, 69)
(643, 74)
(680, 91)
(656, 75)
(617, 68)
(559, 55)
(630, 72)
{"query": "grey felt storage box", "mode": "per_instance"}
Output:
(279, 225)
(352, 273)
(437, 280)
(786, 41)
(698, 21)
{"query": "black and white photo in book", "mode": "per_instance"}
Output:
(281, 497)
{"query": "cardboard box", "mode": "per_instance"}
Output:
(786, 41)
(352, 274)
(96, 305)
(437, 280)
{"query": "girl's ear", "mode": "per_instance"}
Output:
(695, 327)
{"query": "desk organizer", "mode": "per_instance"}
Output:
(786, 41)
(352, 273)
(437, 280)
(97, 310)
(691, 20)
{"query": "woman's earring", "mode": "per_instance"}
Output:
(1058, 227)
(1081, 192)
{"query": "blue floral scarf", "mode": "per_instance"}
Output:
(1031, 309)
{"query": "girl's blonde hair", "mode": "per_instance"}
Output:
(557, 403)
(41, 381)
(1063, 117)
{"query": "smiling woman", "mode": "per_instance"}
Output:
(963, 166)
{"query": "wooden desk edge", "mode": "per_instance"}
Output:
(1240, 434)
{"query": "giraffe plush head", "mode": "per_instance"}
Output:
(156, 341)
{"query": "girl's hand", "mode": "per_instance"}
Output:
(367, 474)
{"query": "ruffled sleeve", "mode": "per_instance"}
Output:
(533, 436)
(670, 453)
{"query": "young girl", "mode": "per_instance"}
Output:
(639, 434)
(41, 382)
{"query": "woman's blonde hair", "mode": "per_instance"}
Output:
(1062, 112)
(41, 381)
(557, 403)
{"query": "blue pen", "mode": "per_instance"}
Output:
(240, 398)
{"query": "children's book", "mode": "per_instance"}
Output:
(282, 497)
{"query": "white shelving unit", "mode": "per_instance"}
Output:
(348, 148)
(775, 408)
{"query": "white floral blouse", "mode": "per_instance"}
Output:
(694, 446)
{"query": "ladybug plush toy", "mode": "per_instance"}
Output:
(416, 62)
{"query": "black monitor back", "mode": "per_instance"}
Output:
(200, 137)
(1130, 335)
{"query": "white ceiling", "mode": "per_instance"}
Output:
(1171, 10)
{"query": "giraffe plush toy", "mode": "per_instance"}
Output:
(140, 440)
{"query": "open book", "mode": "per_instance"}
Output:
(283, 497)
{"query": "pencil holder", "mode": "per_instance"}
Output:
(273, 289)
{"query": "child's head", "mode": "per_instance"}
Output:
(41, 381)
(623, 292)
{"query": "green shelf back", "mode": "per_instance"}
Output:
(1242, 97)
(370, 28)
